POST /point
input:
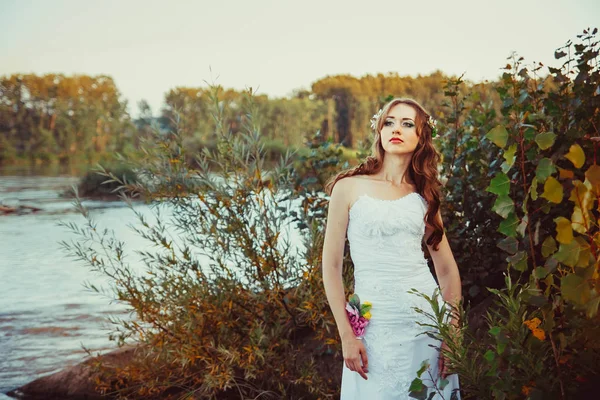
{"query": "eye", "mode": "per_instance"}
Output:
(389, 122)
(408, 124)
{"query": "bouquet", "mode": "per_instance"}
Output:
(359, 315)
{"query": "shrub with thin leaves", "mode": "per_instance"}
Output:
(225, 305)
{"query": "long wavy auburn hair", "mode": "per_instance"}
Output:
(422, 169)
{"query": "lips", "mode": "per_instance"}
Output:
(396, 140)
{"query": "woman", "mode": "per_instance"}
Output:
(387, 205)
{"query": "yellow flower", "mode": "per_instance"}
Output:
(526, 390)
(367, 315)
(367, 303)
(533, 324)
(539, 333)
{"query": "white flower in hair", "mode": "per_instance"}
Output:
(433, 125)
(375, 118)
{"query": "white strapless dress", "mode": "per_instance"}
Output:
(385, 245)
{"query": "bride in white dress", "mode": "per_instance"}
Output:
(387, 206)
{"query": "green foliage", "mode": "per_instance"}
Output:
(470, 112)
(536, 341)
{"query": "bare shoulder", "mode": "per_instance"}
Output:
(342, 188)
(346, 190)
(348, 185)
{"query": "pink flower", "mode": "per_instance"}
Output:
(357, 321)
(351, 310)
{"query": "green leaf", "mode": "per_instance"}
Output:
(518, 261)
(529, 133)
(489, 355)
(568, 254)
(365, 308)
(495, 330)
(533, 188)
(417, 390)
(575, 289)
(500, 348)
(545, 140)
(354, 300)
(503, 206)
(500, 185)
(540, 272)
(509, 244)
(544, 169)
(498, 136)
(509, 155)
(549, 246)
(424, 365)
(509, 226)
(553, 190)
(576, 155)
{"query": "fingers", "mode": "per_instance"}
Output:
(354, 365)
(361, 372)
(365, 361)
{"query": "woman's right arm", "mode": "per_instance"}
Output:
(333, 257)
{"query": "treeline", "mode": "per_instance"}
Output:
(55, 118)
(64, 119)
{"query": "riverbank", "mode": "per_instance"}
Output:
(73, 383)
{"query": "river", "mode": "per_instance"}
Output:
(46, 313)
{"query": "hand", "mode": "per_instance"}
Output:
(354, 352)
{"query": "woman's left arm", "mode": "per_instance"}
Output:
(446, 271)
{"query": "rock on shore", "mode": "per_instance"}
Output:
(72, 383)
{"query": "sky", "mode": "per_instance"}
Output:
(149, 46)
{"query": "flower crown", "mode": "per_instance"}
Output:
(430, 121)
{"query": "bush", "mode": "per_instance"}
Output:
(98, 183)
(536, 342)
(227, 306)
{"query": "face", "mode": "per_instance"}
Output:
(399, 131)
